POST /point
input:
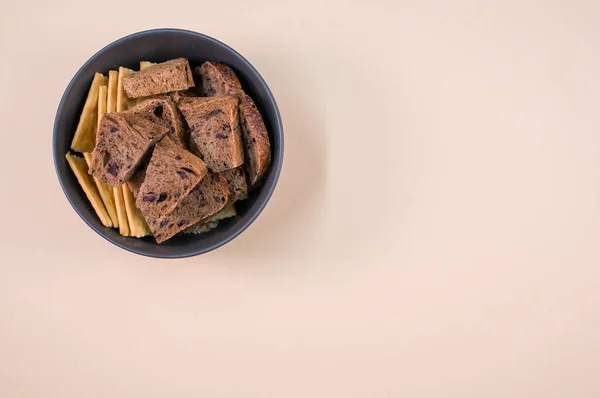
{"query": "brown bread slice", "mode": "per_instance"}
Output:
(215, 133)
(236, 179)
(136, 180)
(172, 75)
(218, 79)
(206, 199)
(257, 147)
(170, 176)
(164, 109)
(177, 96)
(137, 224)
(123, 140)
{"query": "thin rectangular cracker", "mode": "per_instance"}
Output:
(123, 102)
(137, 224)
(211, 222)
(102, 103)
(226, 212)
(105, 190)
(146, 64)
(106, 193)
(80, 169)
(121, 210)
(111, 106)
(84, 139)
(111, 100)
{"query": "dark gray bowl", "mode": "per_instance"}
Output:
(160, 45)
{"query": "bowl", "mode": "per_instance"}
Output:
(160, 45)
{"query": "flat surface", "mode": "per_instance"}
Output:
(434, 232)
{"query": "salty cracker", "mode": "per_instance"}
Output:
(121, 210)
(106, 193)
(80, 169)
(211, 222)
(111, 100)
(137, 224)
(84, 139)
(112, 103)
(123, 102)
(104, 189)
(102, 103)
(146, 64)
(109, 203)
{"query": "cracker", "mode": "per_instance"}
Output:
(102, 103)
(111, 106)
(121, 210)
(228, 211)
(103, 109)
(137, 224)
(106, 193)
(146, 64)
(84, 139)
(111, 100)
(104, 189)
(123, 102)
(80, 169)
(211, 222)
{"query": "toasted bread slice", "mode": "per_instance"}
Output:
(123, 140)
(218, 79)
(137, 179)
(214, 130)
(170, 176)
(164, 109)
(206, 199)
(238, 187)
(177, 96)
(172, 75)
(257, 146)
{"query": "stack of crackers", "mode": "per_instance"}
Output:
(115, 206)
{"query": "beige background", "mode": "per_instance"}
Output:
(434, 233)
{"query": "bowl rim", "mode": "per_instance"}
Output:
(269, 189)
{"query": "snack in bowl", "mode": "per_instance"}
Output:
(174, 158)
(173, 75)
(214, 130)
(219, 79)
